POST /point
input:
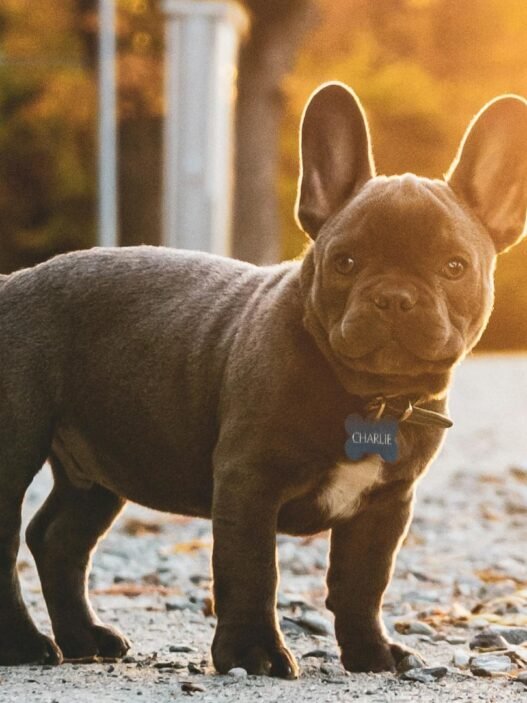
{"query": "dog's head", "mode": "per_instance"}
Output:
(399, 282)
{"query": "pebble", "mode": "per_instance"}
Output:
(488, 640)
(290, 600)
(461, 658)
(497, 590)
(191, 687)
(437, 672)
(298, 562)
(332, 670)
(490, 664)
(510, 565)
(177, 604)
(414, 627)
(291, 626)
(417, 675)
(198, 595)
(411, 661)
(181, 648)
(314, 623)
(168, 665)
(456, 639)
(424, 674)
(421, 597)
(465, 589)
(320, 654)
(513, 635)
(522, 678)
(237, 673)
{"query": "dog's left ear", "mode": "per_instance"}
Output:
(335, 151)
(490, 170)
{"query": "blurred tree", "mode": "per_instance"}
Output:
(46, 104)
(277, 27)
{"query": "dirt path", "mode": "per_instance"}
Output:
(463, 568)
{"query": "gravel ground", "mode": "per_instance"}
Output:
(461, 573)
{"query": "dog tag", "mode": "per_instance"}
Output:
(371, 437)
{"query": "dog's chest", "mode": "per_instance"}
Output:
(341, 495)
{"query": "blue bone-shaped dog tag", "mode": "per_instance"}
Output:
(371, 437)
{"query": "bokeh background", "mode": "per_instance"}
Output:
(421, 67)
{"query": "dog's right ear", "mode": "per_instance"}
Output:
(335, 153)
(490, 170)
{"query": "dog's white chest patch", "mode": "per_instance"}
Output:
(341, 496)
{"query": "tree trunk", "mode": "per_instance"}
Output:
(140, 180)
(265, 58)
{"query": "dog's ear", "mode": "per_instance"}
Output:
(335, 154)
(490, 170)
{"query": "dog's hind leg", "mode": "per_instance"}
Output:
(20, 641)
(62, 537)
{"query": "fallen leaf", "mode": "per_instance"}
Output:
(134, 526)
(494, 576)
(188, 547)
(519, 473)
(132, 590)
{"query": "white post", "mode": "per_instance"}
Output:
(202, 38)
(107, 226)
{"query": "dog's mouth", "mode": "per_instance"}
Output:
(399, 355)
(394, 359)
(393, 370)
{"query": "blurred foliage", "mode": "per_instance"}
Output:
(48, 107)
(421, 67)
(46, 149)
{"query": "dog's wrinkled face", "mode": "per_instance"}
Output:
(399, 282)
(403, 278)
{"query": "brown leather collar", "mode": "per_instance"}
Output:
(405, 410)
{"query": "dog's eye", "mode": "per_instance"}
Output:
(343, 264)
(454, 268)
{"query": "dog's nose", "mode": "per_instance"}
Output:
(395, 300)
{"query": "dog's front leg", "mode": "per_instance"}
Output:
(245, 576)
(362, 555)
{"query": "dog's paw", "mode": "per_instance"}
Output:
(382, 655)
(258, 650)
(95, 641)
(32, 649)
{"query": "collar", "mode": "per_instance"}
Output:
(405, 410)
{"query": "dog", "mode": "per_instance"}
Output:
(206, 386)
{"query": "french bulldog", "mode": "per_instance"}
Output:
(205, 386)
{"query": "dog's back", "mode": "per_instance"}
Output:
(135, 339)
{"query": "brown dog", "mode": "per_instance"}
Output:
(205, 386)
